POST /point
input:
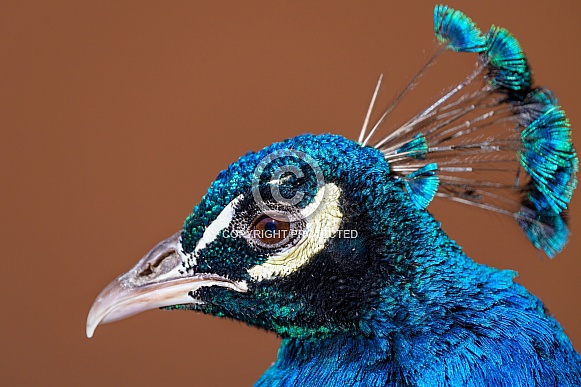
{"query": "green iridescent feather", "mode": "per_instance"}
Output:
(507, 64)
(457, 31)
(416, 148)
(549, 157)
(422, 185)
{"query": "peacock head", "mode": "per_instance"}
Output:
(284, 239)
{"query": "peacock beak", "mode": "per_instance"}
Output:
(156, 281)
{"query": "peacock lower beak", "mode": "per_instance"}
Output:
(156, 281)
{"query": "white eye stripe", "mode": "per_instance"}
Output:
(323, 224)
(219, 224)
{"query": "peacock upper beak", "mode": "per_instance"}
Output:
(156, 281)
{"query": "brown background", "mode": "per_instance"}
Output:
(116, 116)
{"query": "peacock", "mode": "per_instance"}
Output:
(328, 242)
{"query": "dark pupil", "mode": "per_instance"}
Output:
(270, 231)
(270, 225)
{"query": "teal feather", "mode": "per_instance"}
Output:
(455, 132)
(549, 158)
(507, 64)
(547, 230)
(417, 147)
(543, 96)
(422, 185)
(457, 31)
(535, 104)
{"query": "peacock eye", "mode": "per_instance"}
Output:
(270, 232)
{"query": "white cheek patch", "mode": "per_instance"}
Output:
(219, 224)
(321, 225)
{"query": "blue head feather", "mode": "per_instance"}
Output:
(549, 158)
(507, 64)
(457, 31)
(422, 185)
(535, 104)
(546, 229)
(416, 148)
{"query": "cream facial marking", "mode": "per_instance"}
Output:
(322, 224)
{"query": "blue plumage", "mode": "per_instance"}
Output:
(546, 229)
(327, 242)
(548, 156)
(460, 133)
(457, 31)
(417, 147)
(507, 63)
(422, 185)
